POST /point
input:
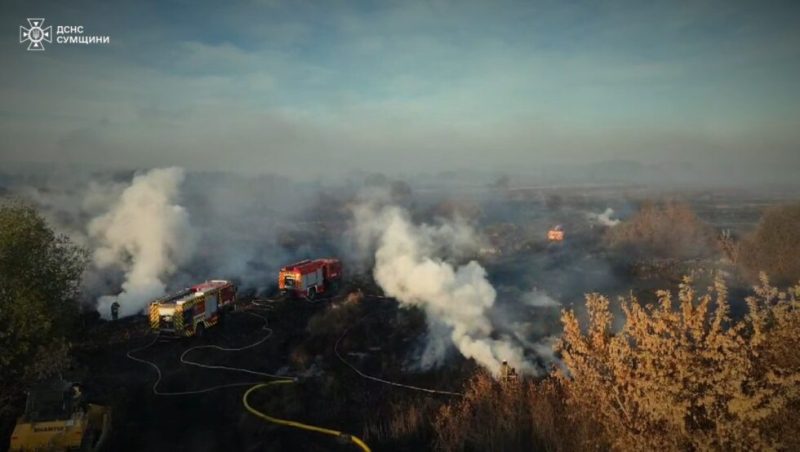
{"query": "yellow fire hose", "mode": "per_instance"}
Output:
(294, 424)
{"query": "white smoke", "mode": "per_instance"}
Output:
(456, 299)
(147, 235)
(538, 299)
(605, 218)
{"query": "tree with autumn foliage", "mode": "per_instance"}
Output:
(772, 247)
(669, 230)
(684, 375)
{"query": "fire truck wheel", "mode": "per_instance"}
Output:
(200, 331)
(312, 293)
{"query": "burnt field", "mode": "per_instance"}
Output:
(301, 339)
(382, 359)
(534, 279)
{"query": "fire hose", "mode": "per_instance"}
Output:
(183, 360)
(281, 380)
(299, 425)
(381, 380)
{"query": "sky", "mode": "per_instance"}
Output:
(302, 88)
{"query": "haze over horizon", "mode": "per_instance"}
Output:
(301, 88)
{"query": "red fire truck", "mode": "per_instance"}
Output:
(310, 278)
(190, 311)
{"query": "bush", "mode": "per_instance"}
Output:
(336, 317)
(688, 377)
(773, 246)
(403, 422)
(679, 375)
(520, 414)
(665, 231)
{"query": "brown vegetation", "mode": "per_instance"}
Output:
(772, 248)
(401, 422)
(666, 231)
(687, 376)
(679, 375)
(336, 317)
(514, 415)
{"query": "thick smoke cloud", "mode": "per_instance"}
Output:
(410, 266)
(193, 226)
(147, 235)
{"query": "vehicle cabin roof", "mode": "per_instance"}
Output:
(306, 266)
(193, 292)
(210, 285)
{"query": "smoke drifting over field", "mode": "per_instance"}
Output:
(605, 218)
(158, 231)
(147, 235)
(161, 230)
(411, 266)
(537, 299)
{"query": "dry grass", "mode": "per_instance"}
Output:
(336, 317)
(514, 415)
(404, 421)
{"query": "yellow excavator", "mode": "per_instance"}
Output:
(58, 418)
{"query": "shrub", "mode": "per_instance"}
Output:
(400, 422)
(336, 317)
(773, 246)
(523, 414)
(490, 417)
(685, 376)
(665, 231)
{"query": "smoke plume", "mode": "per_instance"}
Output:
(456, 298)
(605, 218)
(538, 299)
(147, 235)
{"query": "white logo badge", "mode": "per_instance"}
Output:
(35, 36)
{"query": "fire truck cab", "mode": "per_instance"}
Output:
(190, 311)
(309, 278)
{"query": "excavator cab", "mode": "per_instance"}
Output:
(58, 417)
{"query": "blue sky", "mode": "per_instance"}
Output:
(406, 86)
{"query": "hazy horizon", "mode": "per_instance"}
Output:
(689, 91)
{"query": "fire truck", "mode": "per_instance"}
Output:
(309, 278)
(190, 311)
(556, 234)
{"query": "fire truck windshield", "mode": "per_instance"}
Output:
(288, 281)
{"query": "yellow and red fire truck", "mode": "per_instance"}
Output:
(190, 311)
(310, 278)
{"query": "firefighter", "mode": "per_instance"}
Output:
(507, 373)
(77, 398)
(114, 310)
(504, 370)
